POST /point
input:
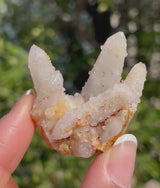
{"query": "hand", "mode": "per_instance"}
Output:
(16, 132)
(112, 169)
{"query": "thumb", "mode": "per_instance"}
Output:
(114, 168)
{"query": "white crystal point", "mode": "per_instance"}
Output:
(135, 81)
(108, 67)
(47, 81)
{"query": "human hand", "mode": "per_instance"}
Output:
(113, 168)
(16, 132)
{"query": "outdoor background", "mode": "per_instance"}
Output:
(71, 32)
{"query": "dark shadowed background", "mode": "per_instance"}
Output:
(71, 32)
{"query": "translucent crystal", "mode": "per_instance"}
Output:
(89, 122)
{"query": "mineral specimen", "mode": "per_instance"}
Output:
(90, 122)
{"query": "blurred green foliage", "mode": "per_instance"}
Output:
(66, 31)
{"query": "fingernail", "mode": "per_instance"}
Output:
(29, 92)
(126, 138)
(121, 161)
(20, 104)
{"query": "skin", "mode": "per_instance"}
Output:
(114, 168)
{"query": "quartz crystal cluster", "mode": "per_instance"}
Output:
(90, 121)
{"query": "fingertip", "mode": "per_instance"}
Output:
(121, 160)
(24, 104)
(113, 168)
(16, 132)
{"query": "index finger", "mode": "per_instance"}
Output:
(16, 132)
